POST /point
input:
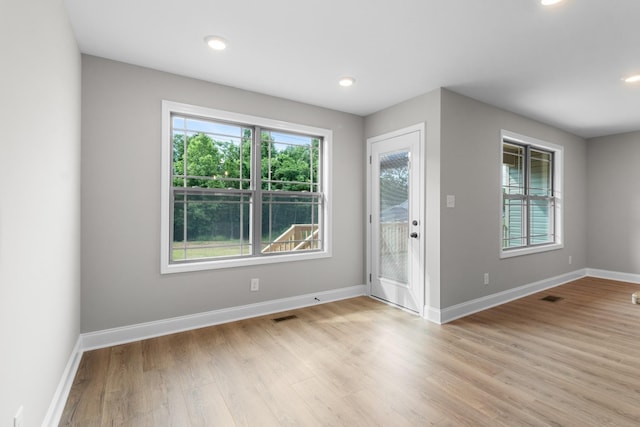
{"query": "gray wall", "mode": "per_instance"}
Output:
(470, 232)
(121, 129)
(39, 204)
(463, 158)
(614, 203)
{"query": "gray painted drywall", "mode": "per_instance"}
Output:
(39, 204)
(470, 232)
(614, 203)
(121, 128)
(421, 109)
(463, 157)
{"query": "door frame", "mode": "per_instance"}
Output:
(420, 128)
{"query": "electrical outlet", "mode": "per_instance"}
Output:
(18, 420)
(570, 260)
(255, 285)
(486, 278)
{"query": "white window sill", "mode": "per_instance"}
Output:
(239, 262)
(532, 250)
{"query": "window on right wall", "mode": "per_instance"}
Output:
(531, 195)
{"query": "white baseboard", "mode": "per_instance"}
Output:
(54, 413)
(613, 275)
(432, 314)
(125, 334)
(115, 336)
(466, 308)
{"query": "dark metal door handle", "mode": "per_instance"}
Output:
(413, 235)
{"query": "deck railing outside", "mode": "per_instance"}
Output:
(298, 237)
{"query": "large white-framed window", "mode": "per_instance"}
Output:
(241, 190)
(531, 195)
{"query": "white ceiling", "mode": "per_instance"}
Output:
(561, 65)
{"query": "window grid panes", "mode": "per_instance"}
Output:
(233, 185)
(528, 201)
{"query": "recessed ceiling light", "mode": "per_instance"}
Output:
(346, 81)
(216, 42)
(549, 2)
(632, 79)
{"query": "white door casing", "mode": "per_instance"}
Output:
(395, 200)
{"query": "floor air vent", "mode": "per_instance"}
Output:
(283, 318)
(551, 298)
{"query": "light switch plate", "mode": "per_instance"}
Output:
(451, 201)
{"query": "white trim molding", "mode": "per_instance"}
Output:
(466, 308)
(166, 265)
(125, 334)
(433, 314)
(613, 275)
(558, 193)
(420, 128)
(54, 413)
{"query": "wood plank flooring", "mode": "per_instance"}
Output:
(358, 362)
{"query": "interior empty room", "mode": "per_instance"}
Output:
(254, 213)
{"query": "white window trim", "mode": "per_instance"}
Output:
(558, 168)
(169, 107)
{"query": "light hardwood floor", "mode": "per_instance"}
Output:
(358, 362)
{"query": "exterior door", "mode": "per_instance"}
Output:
(395, 236)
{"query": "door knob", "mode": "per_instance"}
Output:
(413, 235)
